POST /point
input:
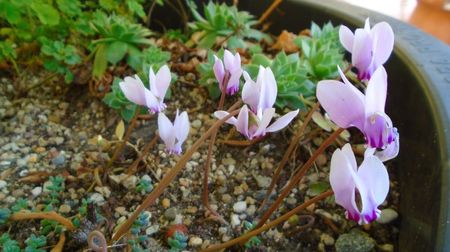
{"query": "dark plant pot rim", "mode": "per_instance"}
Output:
(426, 61)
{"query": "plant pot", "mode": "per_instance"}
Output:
(419, 105)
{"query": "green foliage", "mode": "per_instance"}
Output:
(221, 20)
(177, 242)
(4, 215)
(138, 227)
(9, 245)
(35, 244)
(318, 188)
(149, 57)
(20, 204)
(291, 77)
(58, 57)
(55, 188)
(176, 34)
(118, 37)
(322, 52)
(207, 77)
(7, 51)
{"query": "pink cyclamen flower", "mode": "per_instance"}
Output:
(347, 107)
(230, 73)
(173, 134)
(370, 180)
(252, 125)
(153, 98)
(370, 48)
(261, 94)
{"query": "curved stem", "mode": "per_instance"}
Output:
(269, 225)
(298, 176)
(100, 238)
(169, 177)
(43, 215)
(147, 148)
(288, 154)
(60, 245)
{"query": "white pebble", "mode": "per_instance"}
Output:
(240, 206)
(235, 220)
(195, 241)
(2, 184)
(36, 191)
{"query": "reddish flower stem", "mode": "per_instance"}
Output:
(168, 178)
(144, 153)
(297, 177)
(269, 225)
(288, 153)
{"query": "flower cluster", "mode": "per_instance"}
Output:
(349, 107)
(172, 134)
(260, 97)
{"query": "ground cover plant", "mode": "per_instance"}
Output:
(218, 136)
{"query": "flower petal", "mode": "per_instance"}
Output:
(391, 150)
(133, 89)
(346, 37)
(221, 114)
(251, 92)
(376, 92)
(181, 126)
(342, 103)
(152, 102)
(282, 122)
(242, 121)
(376, 179)
(269, 90)
(342, 182)
(219, 70)
(264, 121)
(166, 131)
(383, 42)
(362, 50)
(233, 82)
(162, 83)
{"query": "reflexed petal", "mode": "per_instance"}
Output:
(166, 131)
(152, 81)
(228, 60)
(376, 179)
(181, 127)
(376, 92)
(362, 50)
(350, 85)
(348, 153)
(221, 114)
(219, 71)
(264, 122)
(367, 25)
(342, 182)
(282, 122)
(242, 121)
(346, 37)
(343, 105)
(162, 83)
(233, 83)
(133, 89)
(383, 42)
(250, 93)
(269, 89)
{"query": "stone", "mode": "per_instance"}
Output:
(195, 241)
(387, 215)
(262, 181)
(327, 239)
(386, 247)
(226, 198)
(3, 184)
(240, 206)
(354, 241)
(165, 203)
(152, 230)
(235, 221)
(97, 198)
(36, 191)
(171, 213)
(64, 208)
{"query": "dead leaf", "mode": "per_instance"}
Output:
(286, 42)
(120, 130)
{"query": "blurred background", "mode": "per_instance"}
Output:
(431, 16)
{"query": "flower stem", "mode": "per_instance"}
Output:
(269, 11)
(288, 153)
(298, 176)
(169, 177)
(269, 225)
(60, 245)
(43, 215)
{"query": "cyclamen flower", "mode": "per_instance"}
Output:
(261, 94)
(347, 107)
(370, 48)
(135, 91)
(252, 125)
(173, 134)
(370, 180)
(230, 73)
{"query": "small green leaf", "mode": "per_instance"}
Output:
(100, 61)
(46, 13)
(116, 51)
(318, 188)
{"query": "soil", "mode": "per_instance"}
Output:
(55, 129)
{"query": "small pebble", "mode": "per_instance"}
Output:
(97, 198)
(36, 191)
(235, 220)
(327, 239)
(387, 215)
(226, 198)
(165, 203)
(3, 184)
(240, 206)
(171, 213)
(152, 230)
(195, 241)
(386, 247)
(64, 208)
